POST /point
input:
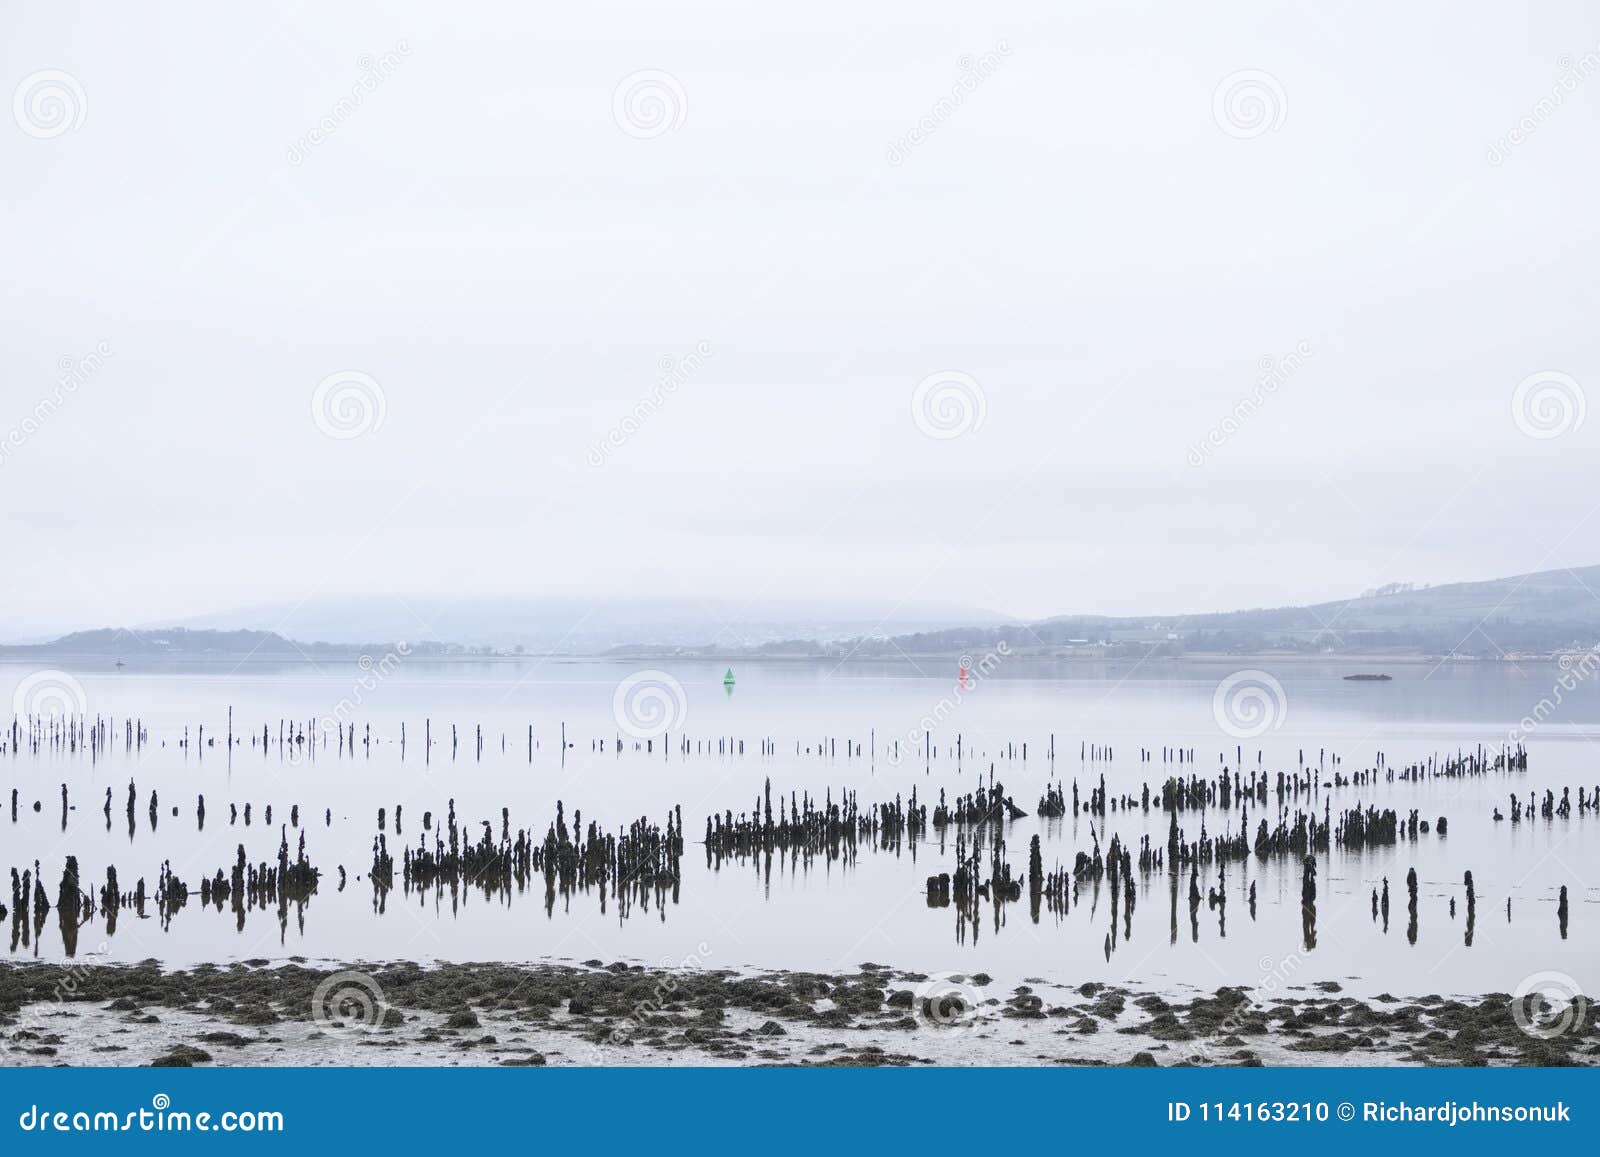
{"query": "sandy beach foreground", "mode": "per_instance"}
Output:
(256, 1013)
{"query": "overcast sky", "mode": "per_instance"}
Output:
(1092, 224)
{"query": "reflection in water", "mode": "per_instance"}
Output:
(1472, 907)
(637, 866)
(1308, 903)
(1411, 905)
(1093, 850)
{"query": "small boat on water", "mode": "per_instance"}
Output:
(1365, 678)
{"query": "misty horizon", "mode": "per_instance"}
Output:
(593, 626)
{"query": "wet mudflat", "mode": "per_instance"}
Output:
(593, 1014)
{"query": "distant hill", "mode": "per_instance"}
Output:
(1529, 615)
(1532, 615)
(1552, 596)
(108, 642)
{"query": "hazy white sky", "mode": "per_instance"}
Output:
(1093, 235)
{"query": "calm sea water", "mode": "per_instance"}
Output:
(830, 914)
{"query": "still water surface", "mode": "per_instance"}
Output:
(830, 914)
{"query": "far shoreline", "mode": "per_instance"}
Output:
(905, 659)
